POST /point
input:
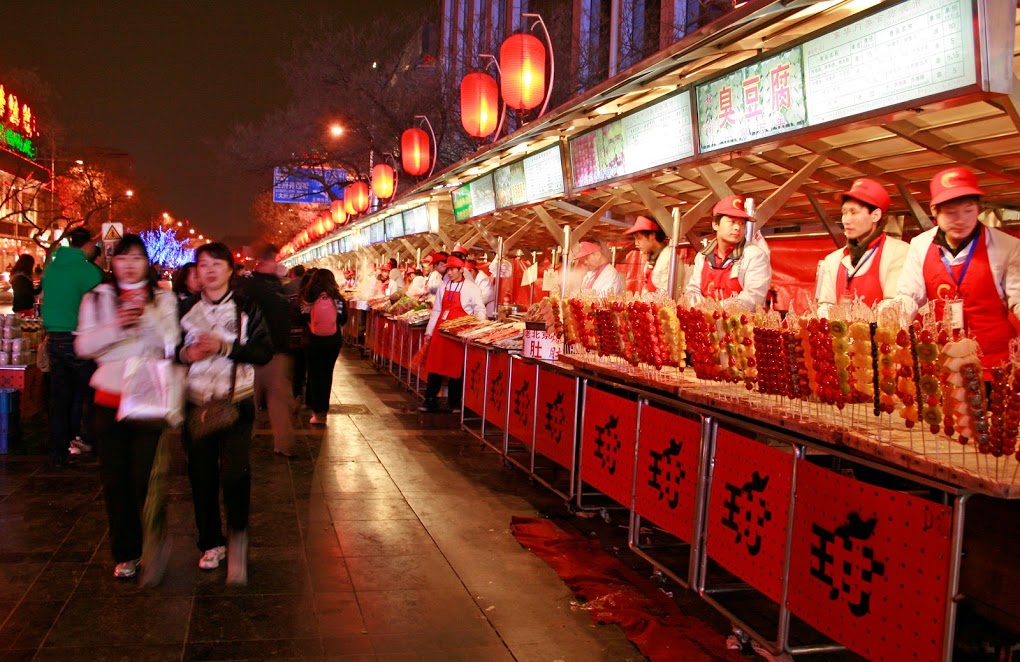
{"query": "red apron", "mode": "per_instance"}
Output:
(648, 285)
(717, 283)
(985, 315)
(446, 356)
(867, 286)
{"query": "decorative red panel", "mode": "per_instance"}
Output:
(522, 401)
(557, 417)
(870, 567)
(417, 338)
(608, 435)
(749, 510)
(496, 388)
(474, 379)
(669, 451)
(399, 343)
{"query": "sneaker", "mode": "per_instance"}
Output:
(317, 419)
(430, 407)
(126, 570)
(212, 558)
(79, 447)
(237, 558)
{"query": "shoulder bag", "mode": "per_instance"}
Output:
(218, 414)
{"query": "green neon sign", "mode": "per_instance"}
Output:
(19, 143)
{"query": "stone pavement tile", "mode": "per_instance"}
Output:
(271, 571)
(165, 653)
(425, 610)
(21, 655)
(338, 614)
(274, 528)
(425, 569)
(383, 538)
(357, 482)
(436, 643)
(579, 648)
(28, 624)
(348, 647)
(251, 618)
(16, 578)
(345, 508)
(320, 536)
(329, 574)
(122, 621)
(263, 649)
(483, 654)
(534, 615)
(312, 509)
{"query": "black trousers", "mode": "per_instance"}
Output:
(321, 355)
(455, 389)
(298, 356)
(70, 394)
(126, 451)
(222, 458)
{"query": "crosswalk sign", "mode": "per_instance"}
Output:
(113, 231)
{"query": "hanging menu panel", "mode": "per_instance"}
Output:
(543, 174)
(759, 100)
(655, 135)
(850, 71)
(394, 226)
(377, 232)
(483, 196)
(416, 221)
(461, 203)
(529, 180)
(511, 185)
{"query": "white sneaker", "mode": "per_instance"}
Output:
(212, 558)
(126, 570)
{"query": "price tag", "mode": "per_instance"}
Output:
(954, 314)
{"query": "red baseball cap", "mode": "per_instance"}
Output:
(586, 248)
(454, 262)
(953, 183)
(732, 206)
(459, 248)
(868, 191)
(643, 224)
(438, 256)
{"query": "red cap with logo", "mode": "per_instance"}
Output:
(438, 256)
(732, 206)
(643, 224)
(954, 183)
(454, 262)
(586, 248)
(867, 191)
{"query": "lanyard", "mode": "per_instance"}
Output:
(963, 273)
(860, 265)
(448, 295)
(592, 276)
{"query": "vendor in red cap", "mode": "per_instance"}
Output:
(600, 276)
(651, 240)
(456, 298)
(728, 266)
(484, 283)
(434, 268)
(967, 272)
(868, 267)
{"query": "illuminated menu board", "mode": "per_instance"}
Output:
(759, 100)
(474, 198)
(848, 71)
(543, 174)
(416, 221)
(366, 235)
(529, 180)
(511, 185)
(377, 233)
(394, 226)
(655, 135)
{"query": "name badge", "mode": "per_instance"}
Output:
(954, 314)
(446, 313)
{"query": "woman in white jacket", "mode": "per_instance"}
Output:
(128, 316)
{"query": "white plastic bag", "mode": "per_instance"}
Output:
(152, 390)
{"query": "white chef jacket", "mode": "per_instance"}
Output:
(894, 254)
(470, 301)
(418, 287)
(753, 271)
(484, 283)
(608, 281)
(433, 283)
(1003, 258)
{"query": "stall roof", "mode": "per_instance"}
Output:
(903, 151)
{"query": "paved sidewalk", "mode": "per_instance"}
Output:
(382, 541)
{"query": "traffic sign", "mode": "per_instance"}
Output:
(113, 231)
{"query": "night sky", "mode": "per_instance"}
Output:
(163, 81)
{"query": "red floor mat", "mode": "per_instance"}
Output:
(616, 594)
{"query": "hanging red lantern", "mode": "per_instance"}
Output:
(383, 180)
(320, 227)
(329, 223)
(479, 104)
(337, 212)
(357, 193)
(349, 206)
(415, 151)
(522, 69)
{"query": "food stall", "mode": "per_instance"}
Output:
(816, 512)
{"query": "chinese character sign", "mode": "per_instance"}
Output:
(669, 451)
(609, 432)
(759, 100)
(869, 567)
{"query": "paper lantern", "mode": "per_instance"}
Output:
(383, 180)
(522, 69)
(338, 213)
(415, 152)
(329, 223)
(320, 228)
(358, 195)
(479, 104)
(349, 206)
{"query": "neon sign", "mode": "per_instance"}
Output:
(16, 114)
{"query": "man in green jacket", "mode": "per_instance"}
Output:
(66, 280)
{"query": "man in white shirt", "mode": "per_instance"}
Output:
(601, 277)
(435, 266)
(651, 240)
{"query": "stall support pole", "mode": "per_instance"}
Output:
(674, 241)
(499, 269)
(959, 512)
(566, 262)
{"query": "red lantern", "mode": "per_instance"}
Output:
(357, 193)
(522, 68)
(479, 104)
(415, 151)
(349, 206)
(336, 210)
(328, 222)
(320, 228)
(383, 180)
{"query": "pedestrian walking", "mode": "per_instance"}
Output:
(325, 313)
(23, 287)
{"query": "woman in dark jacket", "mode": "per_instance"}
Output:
(224, 337)
(322, 351)
(22, 286)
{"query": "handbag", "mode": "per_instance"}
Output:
(42, 356)
(218, 414)
(152, 390)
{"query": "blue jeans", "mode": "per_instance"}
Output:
(70, 394)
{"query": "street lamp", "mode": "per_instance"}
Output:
(336, 130)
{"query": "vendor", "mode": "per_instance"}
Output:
(651, 240)
(965, 270)
(417, 283)
(729, 266)
(395, 281)
(435, 269)
(600, 276)
(456, 298)
(868, 267)
(484, 283)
